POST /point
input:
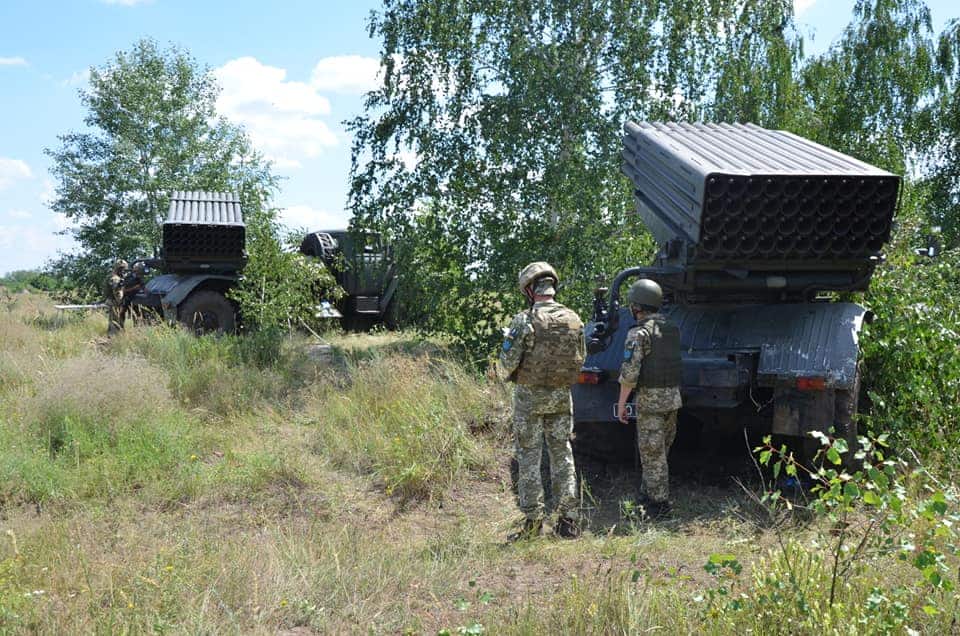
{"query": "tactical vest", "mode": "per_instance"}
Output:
(662, 367)
(557, 354)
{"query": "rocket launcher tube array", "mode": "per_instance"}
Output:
(744, 193)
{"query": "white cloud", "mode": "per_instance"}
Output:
(801, 6)
(12, 61)
(126, 3)
(28, 247)
(18, 214)
(12, 170)
(79, 78)
(346, 74)
(282, 117)
(305, 217)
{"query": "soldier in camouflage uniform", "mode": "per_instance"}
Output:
(651, 368)
(113, 293)
(542, 352)
(132, 283)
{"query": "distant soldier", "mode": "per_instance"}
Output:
(651, 366)
(132, 283)
(542, 353)
(113, 296)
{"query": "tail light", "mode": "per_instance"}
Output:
(589, 376)
(811, 384)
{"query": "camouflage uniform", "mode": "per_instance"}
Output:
(113, 290)
(656, 410)
(539, 413)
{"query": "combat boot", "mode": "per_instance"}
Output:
(567, 528)
(531, 528)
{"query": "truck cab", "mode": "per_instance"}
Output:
(362, 264)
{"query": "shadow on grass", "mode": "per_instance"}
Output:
(707, 485)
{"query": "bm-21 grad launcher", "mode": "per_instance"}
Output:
(202, 256)
(753, 225)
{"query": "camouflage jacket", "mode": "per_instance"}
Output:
(532, 399)
(652, 400)
(113, 289)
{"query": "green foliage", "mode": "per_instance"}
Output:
(514, 112)
(868, 90)
(152, 128)
(281, 287)
(868, 518)
(911, 366)
(31, 280)
(941, 140)
(221, 376)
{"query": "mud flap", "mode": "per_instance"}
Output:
(796, 413)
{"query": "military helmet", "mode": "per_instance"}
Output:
(139, 268)
(645, 293)
(119, 265)
(533, 271)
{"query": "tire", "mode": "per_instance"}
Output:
(207, 311)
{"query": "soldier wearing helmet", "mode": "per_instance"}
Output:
(113, 296)
(651, 369)
(542, 353)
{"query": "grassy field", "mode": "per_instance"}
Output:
(160, 483)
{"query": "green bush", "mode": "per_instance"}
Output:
(912, 365)
(280, 287)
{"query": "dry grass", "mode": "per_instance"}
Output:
(160, 483)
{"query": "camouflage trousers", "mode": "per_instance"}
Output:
(529, 433)
(655, 433)
(115, 316)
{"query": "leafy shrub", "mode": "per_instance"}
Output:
(883, 555)
(280, 287)
(912, 368)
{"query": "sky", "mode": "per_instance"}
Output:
(292, 71)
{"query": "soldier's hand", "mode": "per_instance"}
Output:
(622, 413)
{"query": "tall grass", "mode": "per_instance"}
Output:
(406, 420)
(222, 376)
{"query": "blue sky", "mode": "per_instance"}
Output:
(291, 72)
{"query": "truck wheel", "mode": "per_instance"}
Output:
(207, 311)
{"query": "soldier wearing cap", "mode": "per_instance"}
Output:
(113, 296)
(542, 353)
(651, 369)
